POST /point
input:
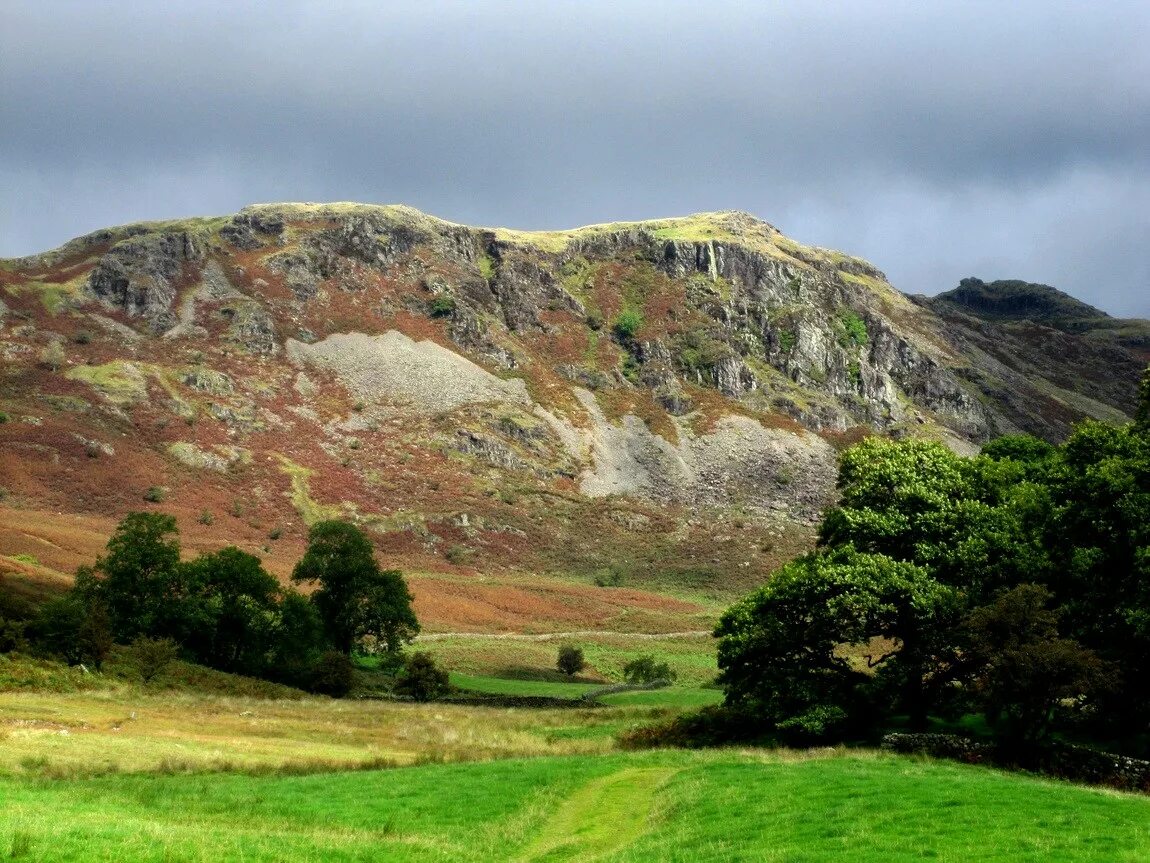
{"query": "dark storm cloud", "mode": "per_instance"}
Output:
(937, 139)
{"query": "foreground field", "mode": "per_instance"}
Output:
(665, 806)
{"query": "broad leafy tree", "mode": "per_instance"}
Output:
(781, 653)
(354, 597)
(138, 575)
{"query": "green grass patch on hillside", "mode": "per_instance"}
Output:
(508, 686)
(680, 697)
(692, 658)
(664, 806)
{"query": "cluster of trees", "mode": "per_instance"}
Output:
(1015, 583)
(222, 609)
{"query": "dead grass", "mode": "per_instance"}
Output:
(127, 730)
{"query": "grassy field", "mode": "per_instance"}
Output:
(666, 806)
(692, 657)
(675, 696)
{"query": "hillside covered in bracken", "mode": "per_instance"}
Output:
(521, 419)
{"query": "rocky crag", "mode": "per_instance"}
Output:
(667, 393)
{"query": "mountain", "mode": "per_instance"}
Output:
(1012, 300)
(652, 406)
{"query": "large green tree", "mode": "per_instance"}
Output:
(232, 608)
(781, 653)
(355, 598)
(138, 577)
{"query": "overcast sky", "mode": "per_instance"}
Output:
(936, 139)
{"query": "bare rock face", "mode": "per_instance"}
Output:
(142, 275)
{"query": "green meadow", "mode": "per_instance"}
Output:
(833, 805)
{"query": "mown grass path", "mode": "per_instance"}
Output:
(604, 815)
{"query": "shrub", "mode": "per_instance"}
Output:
(207, 518)
(332, 674)
(150, 657)
(4, 417)
(645, 669)
(570, 660)
(627, 324)
(854, 329)
(457, 554)
(53, 356)
(442, 306)
(154, 494)
(275, 533)
(82, 337)
(421, 679)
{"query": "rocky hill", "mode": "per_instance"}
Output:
(653, 405)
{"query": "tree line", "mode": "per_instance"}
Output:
(222, 609)
(1014, 584)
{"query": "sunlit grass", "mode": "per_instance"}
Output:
(665, 806)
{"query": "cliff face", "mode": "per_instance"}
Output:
(483, 388)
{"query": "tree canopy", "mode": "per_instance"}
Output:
(355, 598)
(1015, 582)
(222, 608)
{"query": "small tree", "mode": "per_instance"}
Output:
(421, 679)
(570, 660)
(94, 639)
(645, 669)
(150, 657)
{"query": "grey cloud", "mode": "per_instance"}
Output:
(938, 140)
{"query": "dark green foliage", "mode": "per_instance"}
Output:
(137, 576)
(421, 679)
(779, 654)
(355, 599)
(151, 657)
(221, 609)
(94, 637)
(1023, 669)
(332, 674)
(570, 660)
(1016, 582)
(1020, 448)
(298, 640)
(646, 669)
(442, 306)
(228, 611)
(1142, 415)
(1098, 527)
